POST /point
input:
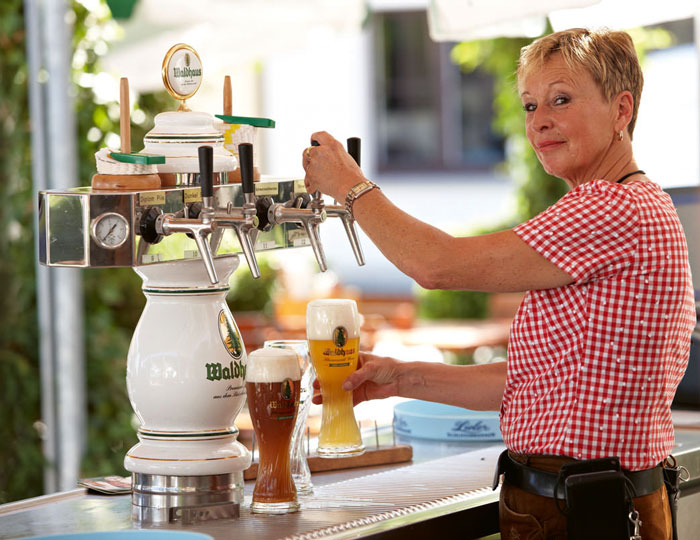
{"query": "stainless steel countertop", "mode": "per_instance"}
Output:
(343, 503)
(443, 479)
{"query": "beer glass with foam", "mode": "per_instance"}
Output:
(273, 381)
(299, 464)
(333, 332)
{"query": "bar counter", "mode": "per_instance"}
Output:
(445, 491)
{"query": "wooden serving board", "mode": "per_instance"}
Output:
(373, 456)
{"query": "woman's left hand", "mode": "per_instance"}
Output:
(376, 377)
(329, 168)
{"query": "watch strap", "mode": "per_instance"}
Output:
(356, 192)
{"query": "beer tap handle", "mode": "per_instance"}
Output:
(316, 200)
(245, 154)
(206, 181)
(354, 147)
(243, 230)
(206, 175)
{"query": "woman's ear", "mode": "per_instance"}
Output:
(624, 107)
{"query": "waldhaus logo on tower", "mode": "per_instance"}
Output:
(233, 344)
(229, 335)
(217, 372)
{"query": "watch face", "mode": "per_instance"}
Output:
(359, 187)
(110, 230)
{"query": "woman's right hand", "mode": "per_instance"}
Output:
(377, 377)
(329, 168)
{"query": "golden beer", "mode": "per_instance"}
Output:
(273, 381)
(333, 332)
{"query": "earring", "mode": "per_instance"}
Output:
(619, 136)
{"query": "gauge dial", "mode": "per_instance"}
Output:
(110, 230)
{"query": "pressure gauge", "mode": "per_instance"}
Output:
(109, 230)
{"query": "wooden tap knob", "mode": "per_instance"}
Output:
(228, 107)
(124, 116)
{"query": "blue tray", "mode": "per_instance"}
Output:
(438, 422)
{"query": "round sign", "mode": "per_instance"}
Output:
(182, 71)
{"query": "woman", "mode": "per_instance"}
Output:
(601, 339)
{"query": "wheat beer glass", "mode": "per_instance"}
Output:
(333, 332)
(299, 465)
(272, 383)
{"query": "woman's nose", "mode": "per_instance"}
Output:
(540, 119)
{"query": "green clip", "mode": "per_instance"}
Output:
(249, 120)
(140, 159)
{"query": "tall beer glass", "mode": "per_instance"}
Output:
(299, 465)
(333, 332)
(272, 383)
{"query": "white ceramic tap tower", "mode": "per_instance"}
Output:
(186, 382)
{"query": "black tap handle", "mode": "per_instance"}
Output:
(354, 146)
(245, 157)
(206, 170)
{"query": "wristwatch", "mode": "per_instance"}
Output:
(357, 191)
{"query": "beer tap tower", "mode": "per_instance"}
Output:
(186, 364)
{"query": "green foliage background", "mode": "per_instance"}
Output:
(20, 444)
(113, 298)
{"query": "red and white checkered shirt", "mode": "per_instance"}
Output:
(593, 366)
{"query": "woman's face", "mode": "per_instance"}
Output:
(569, 123)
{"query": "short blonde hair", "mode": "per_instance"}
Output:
(607, 55)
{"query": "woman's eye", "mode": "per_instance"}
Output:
(529, 107)
(561, 100)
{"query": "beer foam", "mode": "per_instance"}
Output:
(272, 365)
(324, 316)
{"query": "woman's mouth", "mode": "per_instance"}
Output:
(548, 145)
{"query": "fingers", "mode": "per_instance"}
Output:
(360, 395)
(306, 156)
(363, 374)
(317, 399)
(323, 138)
(376, 377)
(305, 161)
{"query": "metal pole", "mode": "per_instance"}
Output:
(39, 181)
(59, 291)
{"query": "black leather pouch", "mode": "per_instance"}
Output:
(597, 500)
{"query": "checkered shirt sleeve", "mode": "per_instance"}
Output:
(591, 233)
